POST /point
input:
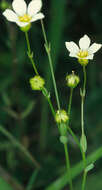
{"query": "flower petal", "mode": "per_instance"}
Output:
(73, 55)
(84, 42)
(34, 7)
(94, 47)
(19, 7)
(90, 56)
(10, 15)
(72, 47)
(22, 24)
(37, 17)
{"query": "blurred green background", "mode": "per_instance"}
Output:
(25, 113)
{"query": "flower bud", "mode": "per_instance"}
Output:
(26, 28)
(63, 139)
(4, 5)
(83, 62)
(37, 82)
(61, 116)
(63, 129)
(72, 80)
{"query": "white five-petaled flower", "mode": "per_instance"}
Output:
(23, 15)
(84, 51)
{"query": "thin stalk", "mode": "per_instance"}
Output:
(82, 125)
(84, 180)
(82, 114)
(47, 47)
(51, 107)
(83, 99)
(47, 95)
(84, 71)
(70, 102)
(68, 166)
(30, 54)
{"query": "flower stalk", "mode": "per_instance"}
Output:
(47, 47)
(68, 165)
(83, 137)
(30, 54)
(70, 101)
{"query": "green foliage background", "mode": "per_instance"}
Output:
(25, 113)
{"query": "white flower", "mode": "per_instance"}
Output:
(23, 15)
(84, 51)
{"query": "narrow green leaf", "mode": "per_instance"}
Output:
(89, 167)
(76, 170)
(32, 179)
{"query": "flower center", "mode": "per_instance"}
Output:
(24, 18)
(82, 54)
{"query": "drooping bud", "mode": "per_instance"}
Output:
(37, 82)
(72, 80)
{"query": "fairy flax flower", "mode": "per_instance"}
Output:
(84, 52)
(23, 15)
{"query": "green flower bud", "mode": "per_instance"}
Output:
(26, 28)
(4, 5)
(83, 62)
(83, 142)
(61, 116)
(63, 139)
(72, 80)
(37, 82)
(63, 129)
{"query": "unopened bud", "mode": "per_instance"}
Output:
(4, 5)
(72, 80)
(61, 116)
(37, 82)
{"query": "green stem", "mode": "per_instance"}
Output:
(68, 165)
(83, 99)
(82, 125)
(82, 114)
(70, 101)
(47, 96)
(84, 180)
(51, 107)
(47, 47)
(30, 54)
(84, 71)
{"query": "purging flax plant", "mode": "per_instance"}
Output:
(23, 16)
